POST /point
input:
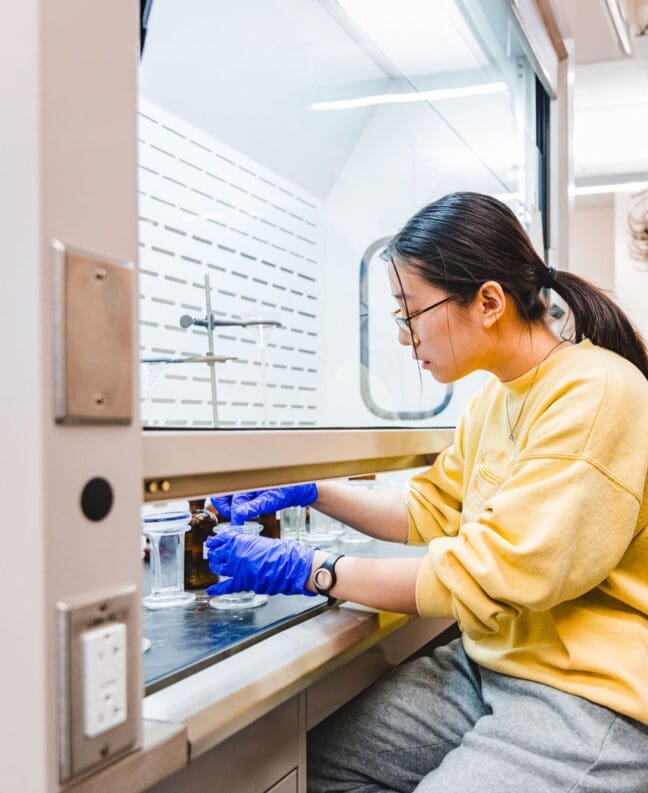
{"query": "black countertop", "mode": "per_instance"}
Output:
(185, 639)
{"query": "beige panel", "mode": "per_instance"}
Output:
(68, 160)
(230, 482)
(287, 785)
(175, 454)
(164, 751)
(23, 756)
(551, 26)
(249, 762)
(182, 464)
(217, 702)
(85, 190)
(93, 313)
(301, 768)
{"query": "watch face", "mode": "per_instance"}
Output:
(323, 578)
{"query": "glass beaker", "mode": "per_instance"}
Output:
(238, 600)
(322, 532)
(292, 522)
(351, 536)
(166, 531)
(153, 386)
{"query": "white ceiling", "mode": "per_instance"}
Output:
(295, 56)
(588, 22)
(408, 34)
(317, 60)
(610, 89)
(611, 116)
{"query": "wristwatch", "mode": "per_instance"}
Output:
(324, 578)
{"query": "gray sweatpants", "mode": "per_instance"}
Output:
(442, 724)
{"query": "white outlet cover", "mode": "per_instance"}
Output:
(104, 678)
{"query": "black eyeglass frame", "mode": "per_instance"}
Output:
(403, 322)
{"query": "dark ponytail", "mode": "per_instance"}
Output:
(598, 318)
(465, 239)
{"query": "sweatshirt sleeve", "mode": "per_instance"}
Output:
(553, 531)
(434, 498)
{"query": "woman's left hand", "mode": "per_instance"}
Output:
(246, 506)
(270, 567)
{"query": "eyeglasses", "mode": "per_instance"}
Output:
(403, 322)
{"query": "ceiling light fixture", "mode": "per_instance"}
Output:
(618, 187)
(411, 96)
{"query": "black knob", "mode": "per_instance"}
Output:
(96, 499)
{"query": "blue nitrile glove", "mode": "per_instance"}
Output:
(269, 567)
(223, 504)
(245, 506)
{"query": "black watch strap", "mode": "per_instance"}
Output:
(324, 577)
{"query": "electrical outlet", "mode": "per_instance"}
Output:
(100, 679)
(104, 678)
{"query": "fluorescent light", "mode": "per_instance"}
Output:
(411, 96)
(619, 187)
(504, 197)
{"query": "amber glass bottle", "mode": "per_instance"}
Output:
(197, 572)
(271, 525)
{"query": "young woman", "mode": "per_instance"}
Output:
(536, 525)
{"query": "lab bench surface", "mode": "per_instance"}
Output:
(189, 638)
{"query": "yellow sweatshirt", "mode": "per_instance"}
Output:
(539, 546)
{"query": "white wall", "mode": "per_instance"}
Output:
(630, 282)
(207, 210)
(599, 250)
(591, 240)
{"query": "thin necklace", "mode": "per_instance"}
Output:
(526, 396)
